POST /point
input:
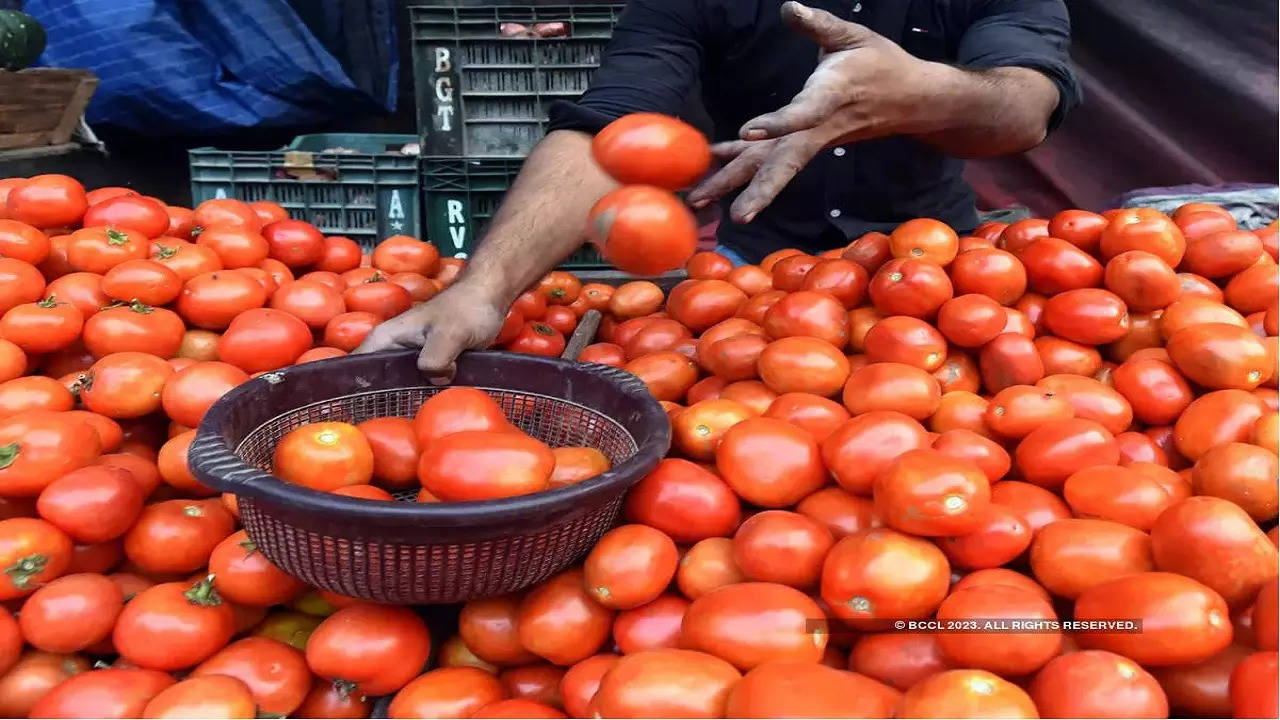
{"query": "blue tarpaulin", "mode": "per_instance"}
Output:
(212, 66)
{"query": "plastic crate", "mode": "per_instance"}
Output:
(367, 195)
(461, 196)
(480, 94)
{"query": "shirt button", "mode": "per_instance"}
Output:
(838, 152)
(835, 212)
(857, 7)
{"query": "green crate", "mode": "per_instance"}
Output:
(368, 192)
(480, 94)
(460, 196)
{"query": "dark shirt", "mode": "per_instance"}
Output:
(746, 63)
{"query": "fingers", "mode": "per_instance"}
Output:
(806, 110)
(829, 31)
(728, 178)
(723, 152)
(390, 335)
(441, 346)
(784, 160)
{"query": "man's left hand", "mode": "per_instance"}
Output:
(865, 86)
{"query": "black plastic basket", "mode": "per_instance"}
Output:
(408, 552)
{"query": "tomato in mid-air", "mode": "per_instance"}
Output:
(652, 149)
(643, 230)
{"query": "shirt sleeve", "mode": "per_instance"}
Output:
(651, 65)
(1033, 34)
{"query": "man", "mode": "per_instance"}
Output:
(885, 97)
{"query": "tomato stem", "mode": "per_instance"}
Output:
(250, 547)
(115, 237)
(376, 277)
(192, 511)
(48, 302)
(542, 329)
(9, 453)
(344, 688)
(21, 572)
(203, 593)
(84, 382)
(164, 252)
(195, 232)
(139, 307)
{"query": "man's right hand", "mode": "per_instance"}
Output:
(463, 317)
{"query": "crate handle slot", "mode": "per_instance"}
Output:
(301, 165)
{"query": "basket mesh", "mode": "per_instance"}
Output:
(434, 572)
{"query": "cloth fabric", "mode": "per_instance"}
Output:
(1252, 206)
(746, 63)
(212, 66)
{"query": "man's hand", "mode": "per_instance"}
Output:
(463, 317)
(865, 86)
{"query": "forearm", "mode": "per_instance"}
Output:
(983, 113)
(542, 219)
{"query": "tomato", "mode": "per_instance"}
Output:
(446, 692)
(1143, 229)
(479, 465)
(1215, 418)
(295, 243)
(395, 450)
(339, 254)
(706, 303)
(134, 328)
(808, 313)
(925, 492)
(652, 149)
(34, 392)
(582, 680)
(212, 300)
(235, 246)
(1096, 682)
(20, 241)
(245, 576)
(98, 249)
(666, 683)
(324, 456)
(370, 649)
(47, 201)
(1078, 227)
(1070, 556)
(110, 435)
(1001, 537)
(653, 335)
(1020, 233)
(1054, 265)
(1254, 288)
(1088, 316)
(176, 536)
(630, 566)
(1253, 686)
(697, 432)
(789, 273)
(816, 415)
(991, 272)
(184, 259)
(707, 565)
(1241, 473)
(845, 280)
(966, 694)
(537, 338)
(93, 504)
(348, 330)
(856, 451)
(208, 696)
(1196, 311)
(777, 546)
(910, 287)
(799, 365)
(130, 212)
(892, 386)
(1050, 454)
(43, 326)
(651, 626)
(455, 653)
(1018, 409)
(685, 501)
(108, 693)
(263, 339)
(898, 659)
(782, 615)
(34, 675)
(457, 409)
(1183, 621)
(488, 627)
(275, 674)
(539, 682)
(643, 230)
(19, 283)
(1015, 653)
(189, 394)
(37, 447)
(1223, 253)
(1157, 392)
(769, 462)
(838, 511)
(226, 212)
(326, 700)
(125, 384)
(561, 319)
(1219, 356)
(1215, 542)
(517, 708)
(173, 626)
(559, 620)
(71, 613)
(908, 340)
(668, 375)
(924, 238)
(881, 573)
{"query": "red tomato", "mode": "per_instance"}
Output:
(685, 501)
(173, 626)
(966, 693)
(777, 546)
(136, 328)
(1020, 233)
(1215, 542)
(107, 693)
(1143, 229)
(71, 613)
(769, 462)
(324, 456)
(1253, 686)
(630, 566)
(275, 674)
(370, 649)
(652, 149)
(642, 685)
(132, 212)
(176, 536)
(262, 339)
(643, 230)
(1093, 682)
(881, 573)
(651, 626)
(537, 338)
(378, 296)
(446, 692)
(479, 465)
(560, 621)
(295, 243)
(1182, 620)
(47, 201)
(93, 504)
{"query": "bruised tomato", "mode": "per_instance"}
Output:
(643, 230)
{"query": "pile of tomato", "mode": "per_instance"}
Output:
(896, 467)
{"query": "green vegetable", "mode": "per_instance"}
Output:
(22, 39)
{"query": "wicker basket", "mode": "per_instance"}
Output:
(41, 106)
(408, 552)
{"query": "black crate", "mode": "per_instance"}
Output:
(368, 191)
(460, 196)
(480, 94)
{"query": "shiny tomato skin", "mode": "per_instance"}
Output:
(989, 271)
(478, 465)
(1220, 356)
(652, 149)
(1156, 391)
(1090, 683)
(1072, 555)
(172, 626)
(643, 230)
(189, 393)
(1020, 233)
(666, 683)
(1054, 265)
(906, 340)
(1253, 686)
(1143, 229)
(881, 573)
(784, 618)
(47, 201)
(582, 680)
(1183, 621)
(684, 500)
(176, 536)
(1215, 542)
(261, 340)
(276, 674)
(93, 504)
(916, 288)
(651, 626)
(630, 566)
(561, 622)
(1009, 359)
(769, 462)
(1001, 538)
(1078, 227)
(324, 456)
(1016, 653)
(376, 648)
(708, 565)
(1088, 316)
(804, 365)
(243, 575)
(925, 492)
(856, 451)
(778, 546)
(106, 693)
(966, 693)
(1048, 455)
(780, 688)
(1215, 418)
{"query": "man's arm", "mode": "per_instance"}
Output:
(651, 64)
(867, 87)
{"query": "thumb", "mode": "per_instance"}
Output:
(830, 32)
(440, 347)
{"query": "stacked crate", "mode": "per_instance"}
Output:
(485, 76)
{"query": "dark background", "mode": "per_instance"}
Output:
(1176, 91)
